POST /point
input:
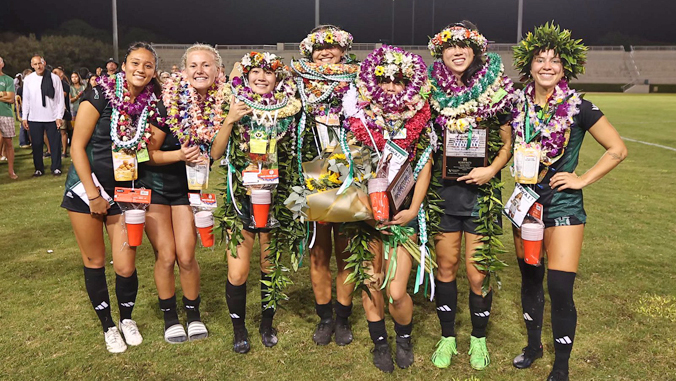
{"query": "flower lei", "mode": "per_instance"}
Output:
(400, 106)
(462, 108)
(454, 36)
(190, 118)
(265, 61)
(330, 36)
(554, 127)
(124, 133)
(322, 86)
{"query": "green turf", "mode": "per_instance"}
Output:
(624, 291)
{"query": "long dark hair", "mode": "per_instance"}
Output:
(479, 58)
(157, 86)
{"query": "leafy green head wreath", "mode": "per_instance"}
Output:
(572, 52)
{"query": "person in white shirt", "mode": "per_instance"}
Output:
(43, 108)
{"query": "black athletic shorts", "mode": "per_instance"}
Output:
(74, 203)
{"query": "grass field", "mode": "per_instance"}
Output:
(625, 291)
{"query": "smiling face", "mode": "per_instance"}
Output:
(327, 54)
(546, 69)
(111, 67)
(261, 81)
(201, 70)
(392, 87)
(38, 64)
(457, 59)
(139, 68)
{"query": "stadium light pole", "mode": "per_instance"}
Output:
(115, 51)
(316, 13)
(519, 24)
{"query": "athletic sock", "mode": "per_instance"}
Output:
(342, 312)
(126, 289)
(403, 331)
(447, 303)
(324, 311)
(192, 309)
(97, 289)
(480, 311)
(235, 296)
(378, 332)
(564, 315)
(267, 314)
(168, 307)
(532, 301)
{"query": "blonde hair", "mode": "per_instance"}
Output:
(203, 47)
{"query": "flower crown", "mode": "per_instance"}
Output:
(324, 37)
(394, 64)
(455, 35)
(550, 36)
(265, 61)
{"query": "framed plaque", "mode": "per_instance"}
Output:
(459, 160)
(399, 190)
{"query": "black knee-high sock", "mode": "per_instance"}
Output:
(378, 331)
(403, 331)
(342, 312)
(480, 311)
(564, 315)
(267, 314)
(532, 301)
(235, 296)
(126, 289)
(192, 309)
(324, 311)
(97, 289)
(447, 303)
(168, 307)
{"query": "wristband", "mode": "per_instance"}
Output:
(92, 199)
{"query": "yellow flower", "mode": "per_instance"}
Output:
(329, 38)
(445, 35)
(308, 184)
(379, 71)
(338, 156)
(313, 38)
(334, 178)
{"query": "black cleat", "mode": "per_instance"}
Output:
(404, 352)
(527, 357)
(323, 332)
(558, 375)
(382, 358)
(241, 343)
(268, 336)
(343, 333)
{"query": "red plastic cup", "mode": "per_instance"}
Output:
(531, 235)
(135, 219)
(204, 221)
(261, 200)
(378, 197)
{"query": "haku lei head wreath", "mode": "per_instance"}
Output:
(266, 61)
(328, 36)
(457, 35)
(572, 52)
(394, 64)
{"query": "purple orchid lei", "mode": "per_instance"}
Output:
(400, 106)
(553, 136)
(125, 105)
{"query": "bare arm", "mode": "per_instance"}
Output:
(159, 157)
(419, 192)
(606, 135)
(7, 97)
(237, 112)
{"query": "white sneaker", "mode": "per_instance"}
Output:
(130, 331)
(114, 342)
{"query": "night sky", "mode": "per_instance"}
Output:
(271, 21)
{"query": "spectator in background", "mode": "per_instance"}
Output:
(111, 67)
(174, 69)
(6, 121)
(84, 74)
(99, 70)
(42, 111)
(165, 76)
(24, 136)
(18, 79)
(67, 115)
(91, 82)
(77, 89)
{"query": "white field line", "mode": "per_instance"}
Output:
(649, 144)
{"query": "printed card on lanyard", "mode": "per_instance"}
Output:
(519, 204)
